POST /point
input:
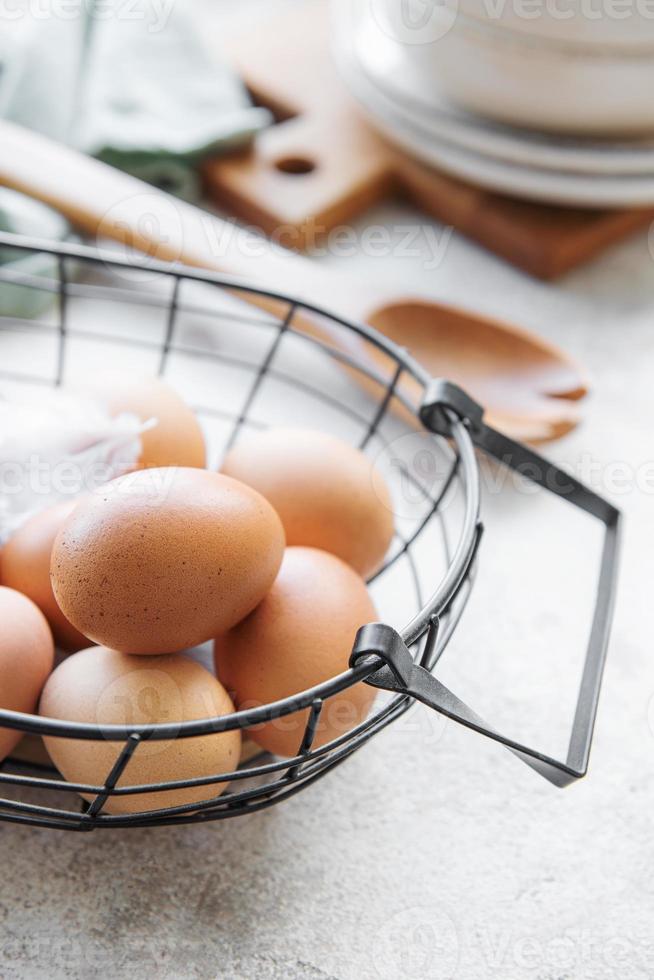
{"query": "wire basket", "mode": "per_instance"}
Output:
(356, 383)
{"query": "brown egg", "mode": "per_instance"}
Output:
(26, 659)
(249, 751)
(31, 749)
(164, 559)
(176, 439)
(299, 636)
(103, 687)
(25, 566)
(327, 494)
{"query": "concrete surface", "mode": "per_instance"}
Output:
(430, 854)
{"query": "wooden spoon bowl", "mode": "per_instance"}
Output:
(528, 386)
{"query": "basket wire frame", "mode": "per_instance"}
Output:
(399, 662)
(427, 635)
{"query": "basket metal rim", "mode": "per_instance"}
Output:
(411, 634)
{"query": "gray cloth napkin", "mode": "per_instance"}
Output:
(131, 84)
(135, 88)
(154, 103)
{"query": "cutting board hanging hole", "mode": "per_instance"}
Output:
(295, 166)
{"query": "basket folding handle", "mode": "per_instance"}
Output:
(444, 403)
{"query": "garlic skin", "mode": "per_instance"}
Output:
(56, 445)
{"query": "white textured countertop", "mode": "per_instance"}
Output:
(431, 853)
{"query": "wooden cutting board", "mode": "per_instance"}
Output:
(322, 164)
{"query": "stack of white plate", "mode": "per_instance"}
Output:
(415, 113)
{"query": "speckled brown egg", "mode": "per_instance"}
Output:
(299, 636)
(103, 687)
(25, 566)
(164, 559)
(176, 439)
(26, 659)
(327, 493)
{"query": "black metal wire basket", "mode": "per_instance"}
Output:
(49, 298)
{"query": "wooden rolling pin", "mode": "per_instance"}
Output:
(527, 385)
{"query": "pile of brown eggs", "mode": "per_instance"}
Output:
(266, 558)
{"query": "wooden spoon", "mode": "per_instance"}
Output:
(526, 385)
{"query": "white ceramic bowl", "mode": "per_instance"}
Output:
(570, 74)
